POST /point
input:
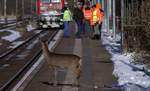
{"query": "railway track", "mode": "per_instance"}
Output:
(24, 43)
(9, 25)
(6, 50)
(15, 63)
(13, 23)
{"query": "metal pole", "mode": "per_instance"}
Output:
(122, 23)
(0, 10)
(38, 7)
(22, 8)
(108, 16)
(114, 20)
(103, 4)
(5, 10)
(16, 11)
(31, 9)
(35, 7)
(31, 6)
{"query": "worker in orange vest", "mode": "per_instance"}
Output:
(102, 18)
(91, 20)
(96, 20)
(87, 17)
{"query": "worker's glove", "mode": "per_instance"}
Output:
(96, 23)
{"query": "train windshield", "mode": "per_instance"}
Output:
(45, 1)
(55, 1)
(51, 1)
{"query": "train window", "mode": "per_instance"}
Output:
(55, 1)
(46, 1)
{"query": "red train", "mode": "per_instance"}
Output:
(50, 13)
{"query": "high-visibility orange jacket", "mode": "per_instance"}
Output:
(87, 14)
(97, 15)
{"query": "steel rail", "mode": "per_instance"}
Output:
(5, 86)
(3, 26)
(10, 25)
(25, 42)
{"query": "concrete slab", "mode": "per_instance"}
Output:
(69, 46)
(41, 80)
(96, 67)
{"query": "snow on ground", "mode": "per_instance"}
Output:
(15, 44)
(9, 19)
(130, 76)
(30, 27)
(13, 36)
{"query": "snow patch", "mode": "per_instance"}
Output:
(13, 36)
(15, 44)
(30, 28)
(129, 75)
(126, 73)
(52, 12)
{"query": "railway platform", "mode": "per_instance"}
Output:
(96, 69)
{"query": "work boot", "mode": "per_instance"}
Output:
(97, 37)
(93, 38)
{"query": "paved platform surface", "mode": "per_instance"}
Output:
(96, 68)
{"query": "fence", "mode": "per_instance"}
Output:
(136, 25)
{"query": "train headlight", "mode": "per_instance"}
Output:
(61, 20)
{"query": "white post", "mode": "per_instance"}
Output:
(105, 14)
(114, 20)
(122, 23)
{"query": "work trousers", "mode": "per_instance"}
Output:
(87, 28)
(66, 29)
(80, 28)
(97, 31)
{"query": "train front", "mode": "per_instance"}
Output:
(51, 13)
